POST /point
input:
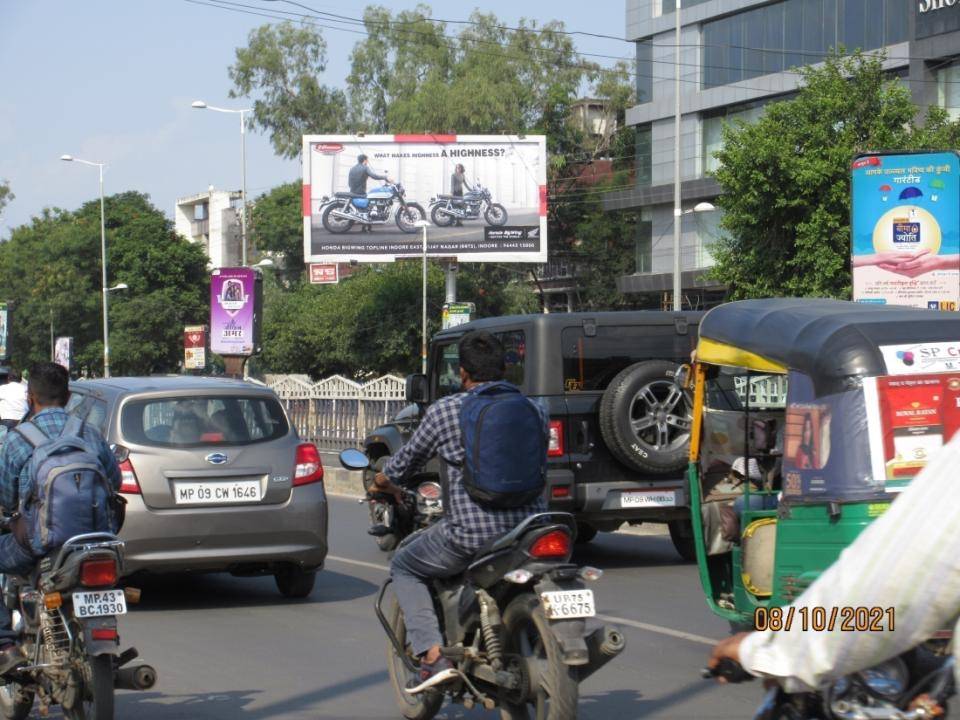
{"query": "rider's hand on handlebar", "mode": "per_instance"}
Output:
(726, 649)
(381, 483)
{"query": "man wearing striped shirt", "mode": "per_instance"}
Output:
(908, 559)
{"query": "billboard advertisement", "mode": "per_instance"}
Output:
(232, 313)
(905, 227)
(63, 351)
(484, 197)
(195, 347)
(324, 273)
(4, 331)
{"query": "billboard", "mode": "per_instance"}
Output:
(195, 347)
(232, 313)
(484, 196)
(4, 331)
(63, 351)
(905, 228)
(324, 273)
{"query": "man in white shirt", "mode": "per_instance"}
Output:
(908, 560)
(13, 398)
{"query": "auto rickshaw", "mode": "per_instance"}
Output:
(809, 416)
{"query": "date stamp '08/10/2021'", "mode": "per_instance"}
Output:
(822, 619)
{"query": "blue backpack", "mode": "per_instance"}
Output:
(505, 447)
(70, 495)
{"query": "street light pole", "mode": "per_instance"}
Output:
(677, 212)
(422, 224)
(201, 105)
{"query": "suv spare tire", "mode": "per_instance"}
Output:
(645, 418)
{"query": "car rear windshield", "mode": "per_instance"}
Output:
(590, 362)
(192, 421)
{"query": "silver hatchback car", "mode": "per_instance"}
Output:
(215, 477)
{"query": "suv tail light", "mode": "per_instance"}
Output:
(308, 468)
(555, 544)
(128, 478)
(98, 573)
(555, 445)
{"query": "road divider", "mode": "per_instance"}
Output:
(647, 627)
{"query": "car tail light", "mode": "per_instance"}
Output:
(560, 492)
(104, 634)
(98, 573)
(308, 468)
(555, 445)
(128, 478)
(555, 544)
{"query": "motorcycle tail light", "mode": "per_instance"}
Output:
(429, 491)
(104, 634)
(555, 544)
(128, 478)
(555, 444)
(98, 573)
(308, 468)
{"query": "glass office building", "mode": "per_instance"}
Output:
(735, 57)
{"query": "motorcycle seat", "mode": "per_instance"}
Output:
(450, 197)
(348, 195)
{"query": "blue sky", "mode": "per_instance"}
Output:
(112, 80)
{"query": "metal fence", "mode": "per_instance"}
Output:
(337, 413)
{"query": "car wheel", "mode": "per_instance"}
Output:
(682, 536)
(294, 581)
(645, 418)
(585, 533)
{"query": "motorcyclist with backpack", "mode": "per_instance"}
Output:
(493, 442)
(50, 445)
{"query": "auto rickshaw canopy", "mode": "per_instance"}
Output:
(828, 340)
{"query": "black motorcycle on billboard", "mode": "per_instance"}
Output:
(380, 206)
(448, 209)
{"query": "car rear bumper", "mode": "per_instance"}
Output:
(227, 538)
(603, 501)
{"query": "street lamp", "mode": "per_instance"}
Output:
(103, 262)
(677, 212)
(423, 225)
(201, 105)
(700, 207)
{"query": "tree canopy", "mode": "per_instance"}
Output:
(786, 177)
(5, 195)
(50, 271)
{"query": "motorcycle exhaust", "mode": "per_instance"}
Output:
(446, 211)
(138, 677)
(344, 216)
(603, 645)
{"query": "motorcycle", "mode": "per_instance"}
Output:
(514, 623)
(380, 206)
(912, 686)
(66, 614)
(393, 519)
(447, 209)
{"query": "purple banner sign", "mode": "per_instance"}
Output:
(231, 311)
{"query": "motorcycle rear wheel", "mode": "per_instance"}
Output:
(15, 702)
(440, 219)
(554, 695)
(413, 707)
(97, 700)
(495, 215)
(408, 216)
(334, 224)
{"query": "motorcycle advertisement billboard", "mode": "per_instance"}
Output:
(232, 311)
(905, 228)
(483, 196)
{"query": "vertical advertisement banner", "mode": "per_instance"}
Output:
(63, 351)
(232, 298)
(366, 198)
(195, 347)
(905, 227)
(4, 331)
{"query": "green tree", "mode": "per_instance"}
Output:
(280, 67)
(786, 177)
(5, 195)
(276, 226)
(50, 270)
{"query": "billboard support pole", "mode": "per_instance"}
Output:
(450, 280)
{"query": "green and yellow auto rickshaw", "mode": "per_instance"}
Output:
(809, 416)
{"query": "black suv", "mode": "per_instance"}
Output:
(619, 427)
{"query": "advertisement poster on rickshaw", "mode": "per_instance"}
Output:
(910, 418)
(479, 198)
(905, 228)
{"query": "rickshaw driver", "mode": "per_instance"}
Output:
(906, 559)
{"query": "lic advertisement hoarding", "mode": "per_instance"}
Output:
(905, 228)
(232, 293)
(484, 197)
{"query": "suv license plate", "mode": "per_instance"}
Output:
(101, 602)
(564, 604)
(654, 498)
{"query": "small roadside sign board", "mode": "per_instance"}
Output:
(195, 347)
(324, 273)
(455, 314)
